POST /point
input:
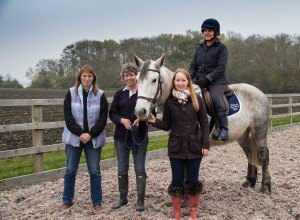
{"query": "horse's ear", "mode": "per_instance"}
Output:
(160, 61)
(138, 62)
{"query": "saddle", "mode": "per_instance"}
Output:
(210, 107)
(208, 101)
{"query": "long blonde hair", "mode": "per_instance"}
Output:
(190, 87)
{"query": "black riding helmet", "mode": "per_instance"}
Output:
(211, 24)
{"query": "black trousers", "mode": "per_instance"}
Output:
(217, 93)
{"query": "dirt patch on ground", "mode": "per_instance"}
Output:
(222, 173)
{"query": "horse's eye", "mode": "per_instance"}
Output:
(154, 80)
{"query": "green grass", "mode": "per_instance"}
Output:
(285, 120)
(19, 166)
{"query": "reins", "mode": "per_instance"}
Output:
(135, 140)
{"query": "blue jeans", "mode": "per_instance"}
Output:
(92, 156)
(179, 166)
(123, 159)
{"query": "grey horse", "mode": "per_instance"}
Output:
(248, 127)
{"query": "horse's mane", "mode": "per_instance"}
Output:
(144, 69)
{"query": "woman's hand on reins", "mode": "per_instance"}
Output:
(151, 118)
(136, 122)
(126, 123)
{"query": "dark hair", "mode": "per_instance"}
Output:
(87, 69)
(211, 24)
(216, 39)
(129, 68)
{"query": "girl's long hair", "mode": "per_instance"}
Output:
(193, 94)
(87, 69)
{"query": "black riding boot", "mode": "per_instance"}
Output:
(216, 134)
(217, 131)
(223, 122)
(141, 190)
(123, 189)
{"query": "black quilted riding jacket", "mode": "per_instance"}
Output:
(210, 61)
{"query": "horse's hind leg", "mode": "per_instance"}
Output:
(245, 143)
(260, 138)
(251, 176)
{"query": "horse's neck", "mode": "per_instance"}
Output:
(166, 77)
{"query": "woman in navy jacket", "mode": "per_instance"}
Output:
(121, 113)
(208, 66)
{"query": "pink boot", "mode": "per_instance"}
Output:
(193, 205)
(176, 203)
(176, 193)
(193, 193)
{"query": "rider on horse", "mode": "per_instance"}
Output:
(208, 66)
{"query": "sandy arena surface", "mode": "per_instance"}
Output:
(223, 173)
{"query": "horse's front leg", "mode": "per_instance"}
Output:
(266, 178)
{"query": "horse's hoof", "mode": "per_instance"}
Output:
(247, 183)
(252, 182)
(265, 189)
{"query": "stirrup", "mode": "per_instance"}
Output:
(224, 136)
(216, 134)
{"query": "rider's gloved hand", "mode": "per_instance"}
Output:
(203, 82)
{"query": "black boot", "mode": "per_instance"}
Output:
(216, 134)
(217, 131)
(141, 190)
(223, 122)
(123, 189)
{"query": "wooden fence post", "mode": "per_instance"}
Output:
(37, 138)
(270, 111)
(291, 109)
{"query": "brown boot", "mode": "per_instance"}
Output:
(177, 194)
(97, 208)
(65, 206)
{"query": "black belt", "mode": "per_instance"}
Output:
(180, 129)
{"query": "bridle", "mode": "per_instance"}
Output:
(159, 89)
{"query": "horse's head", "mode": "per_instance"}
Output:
(149, 85)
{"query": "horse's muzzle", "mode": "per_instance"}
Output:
(141, 113)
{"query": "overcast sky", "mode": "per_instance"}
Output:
(31, 30)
